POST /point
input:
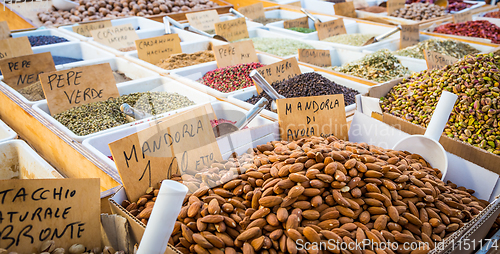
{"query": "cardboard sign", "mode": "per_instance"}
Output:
(232, 30)
(409, 36)
(36, 210)
(185, 143)
(153, 50)
(436, 60)
(13, 47)
(393, 5)
(254, 11)
(330, 28)
(345, 9)
(318, 57)
(117, 37)
(462, 17)
(203, 20)
(22, 71)
(359, 3)
(300, 22)
(84, 29)
(279, 71)
(78, 86)
(4, 30)
(235, 53)
(312, 116)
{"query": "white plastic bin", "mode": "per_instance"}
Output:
(155, 84)
(98, 144)
(20, 161)
(140, 24)
(6, 133)
(46, 32)
(190, 75)
(240, 99)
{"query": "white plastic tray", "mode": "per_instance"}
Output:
(187, 38)
(6, 133)
(240, 99)
(476, 5)
(98, 144)
(395, 20)
(158, 84)
(320, 6)
(186, 48)
(131, 70)
(46, 32)
(20, 161)
(144, 24)
(190, 75)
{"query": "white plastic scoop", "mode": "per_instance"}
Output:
(428, 145)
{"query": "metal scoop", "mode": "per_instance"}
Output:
(382, 36)
(174, 23)
(190, 28)
(309, 15)
(226, 128)
(237, 14)
(132, 113)
(262, 82)
(428, 145)
(166, 23)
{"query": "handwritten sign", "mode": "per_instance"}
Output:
(185, 143)
(84, 29)
(232, 30)
(20, 72)
(436, 60)
(117, 37)
(312, 116)
(203, 20)
(78, 86)
(393, 5)
(66, 211)
(359, 3)
(330, 28)
(318, 57)
(254, 11)
(13, 47)
(280, 71)
(235, 53)
(4, 30)
(462, 17)
(409, 36)
(153, 50)
(300, 22)
(345, 9)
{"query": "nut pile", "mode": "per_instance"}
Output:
(314, 190)
(89, 10)
(231, 78)
(474, 119)
(350, 39)
(308, 84)
(419, 11)
(452, 48)
(480, 28)
(183, 59)
(380, 66)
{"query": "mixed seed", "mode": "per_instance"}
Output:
(231, 78)
(446, 47)
(279, 46)
(350, 39)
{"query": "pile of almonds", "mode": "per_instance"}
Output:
(325, 191)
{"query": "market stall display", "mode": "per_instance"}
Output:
(452, 48)
(419, 11)
(480, 28)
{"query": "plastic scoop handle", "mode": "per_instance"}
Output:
(441, 115)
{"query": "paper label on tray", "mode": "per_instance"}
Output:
(203, 20)
(182, 144)
(13, 47)
(345, 9)
(436, 60)
(253, 11)
(155, 49)
(235, 53)
(84, 29)
(312, 116)
(300, 22)
(4, 30)
(75, 87)
(232, 30)
(409, 35)
(462, 17)
(36, 210)
(279, 71)
(330, 28)
(117, 37)
(318, 57)
(22, 71)
(359, 4)
(393, 5)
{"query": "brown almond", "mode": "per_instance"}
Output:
(260, 213)
(310, 214)
(298, 178)
(213, 207)
(270, 201)
(381, 222)
(249, 234)
(311, 235)
(212, 219)
(199, 239)
(144, 214)
(345, 211)
(393, 213)
(292, 222)
(296, 191)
